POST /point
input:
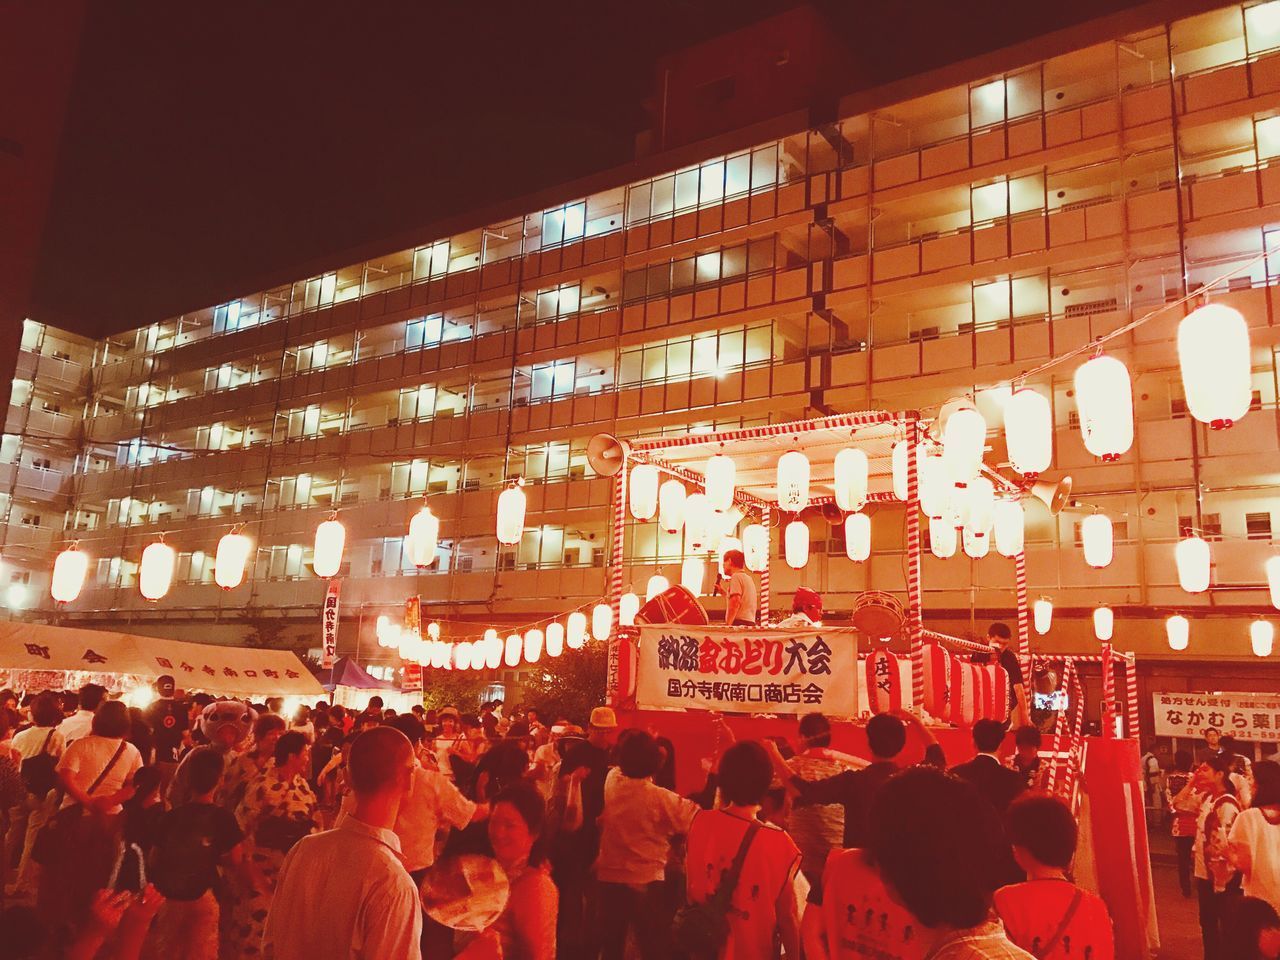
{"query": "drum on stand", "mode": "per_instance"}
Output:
(877, 614)
(676, 604)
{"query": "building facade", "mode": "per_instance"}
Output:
(893, 259)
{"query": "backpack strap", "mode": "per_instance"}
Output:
(729, 879)
(107, 769)
(1067, 917)
(45, 749)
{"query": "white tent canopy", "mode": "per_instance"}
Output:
(230, 671)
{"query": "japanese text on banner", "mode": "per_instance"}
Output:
(1246, 716)
(329, 624)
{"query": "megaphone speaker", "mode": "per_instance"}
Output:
(1053, 494)
(606, 454)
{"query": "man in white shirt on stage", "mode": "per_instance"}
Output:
(740, 589)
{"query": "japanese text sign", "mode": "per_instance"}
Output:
(1246, 716)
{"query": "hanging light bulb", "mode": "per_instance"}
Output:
(70, 568)
(718, 482)
(857, 536)
(1010, 528)
(851, 478)
(697, 522)
(514, 648)
(1104, 398)
(643, 492)
(628, 607)
(602, 621)
(942, 538)
(975, 546)
(576, 630)
(671, 498)
(533, 640)
(755, 546)
(511, 508)
(964, 438)
(433, 630)
(793, 481)
(1262, 635)
(1191, 556)
(555, 638)
(424, 537)
(230, 560)
(1028, 431)
(155, 572)
(1042, 615)
(331, 539)
(1178, 630)
(796, 544)
(1096, 538)
(692, 574)
(1216, 362)
(462, 656)
(657, 584)
(935, 485)
(981, 495)
(726, 544)
(492, 649)
(1104, 621)
(1273, 580)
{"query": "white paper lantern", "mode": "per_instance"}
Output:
(1096, 538)
(1104, 622)
(155, 572)
(1262, 635)
(1104, 398)
(1028, 431)
(726, 544)
(555, 638)
(513, 649)
(1010, 528)
(697, 523)
(331, 539)
(382, 630)
(671, 498)
(857, 536)
(796, 544)
(1273, 580)
(1178, 630)
(1193, 561)
(975, 546)
(718, 482)
(942, 538)
(424, 537)
(755, 546)
(511, 509)
(230, 560)
(628, 607)
(602, 621)
(898, 466)
(964, 438)
(1042, 615)
(70, 568)
(533, 640)
(643, 493)
(935, 485)
(793, 481)
(576, 630)
(1216, 361)
(488, 652)
(981, 494)
(851, 479)
(462, 656)
(433, 630)
(657, 584)
(692, 574)
(440, 654)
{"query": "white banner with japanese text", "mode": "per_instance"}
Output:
(747, 670)
(329, 622)
(1246, 716)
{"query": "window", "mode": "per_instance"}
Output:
(424, 332)
(1257, 526)
(710, 183)
(41, 463)
(552, 379)
(1210, 526)
(431, 260)
(558, 301)
(564, 224)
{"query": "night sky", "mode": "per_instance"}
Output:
(211, 149)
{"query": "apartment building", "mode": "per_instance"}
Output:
(892, 259)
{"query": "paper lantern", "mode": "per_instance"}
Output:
(1216, 362)
(514, 647)
(155, 572)
(230, 560)
(1104, 621)
(1273, 580)
(1178, 630)
(793, 481)
(964, 438)
(851, 477)
(884, 682)
(692, 573)
(70, 568)
(796, 544)
(575, 632)
(1262, 636)
(462, 656)
(331, 539)
(1028, 431)
(628, 607)
(382, 629)
(492, 648)
(555, 639)
(511, 508)
(935, 485)
(533, 640)
(424, 537)
(602, 621)
(718, 482)
(433, 630)
(937, 680)
(440, 653)
(975, 546)
(942, 538)
(643, 493)
(1104, 398)
(898, 467)
(857, 536)
(1096, 538)
(697, 523)
(1191, 556)
(726, 544)
(671, 497)
(1010, 528)
(981, 496)
(755, 546)
(1042, 615)
(657, 584)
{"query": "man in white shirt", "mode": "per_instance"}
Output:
(742, 606)
(344, 894)
(81, 722)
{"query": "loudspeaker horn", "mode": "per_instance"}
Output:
(606, 454)
(1053, 494)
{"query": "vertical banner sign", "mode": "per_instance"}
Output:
(329, 625)
(411, 675)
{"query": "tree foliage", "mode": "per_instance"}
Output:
(458, 688)
(568, 686)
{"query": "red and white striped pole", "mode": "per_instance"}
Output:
(766, 516)
(1108, 694)
(915, 605)
(1131, 697)
(1024, 627)
(613, 676)
(1067, 671)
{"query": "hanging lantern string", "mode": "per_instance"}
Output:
(521, 629)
